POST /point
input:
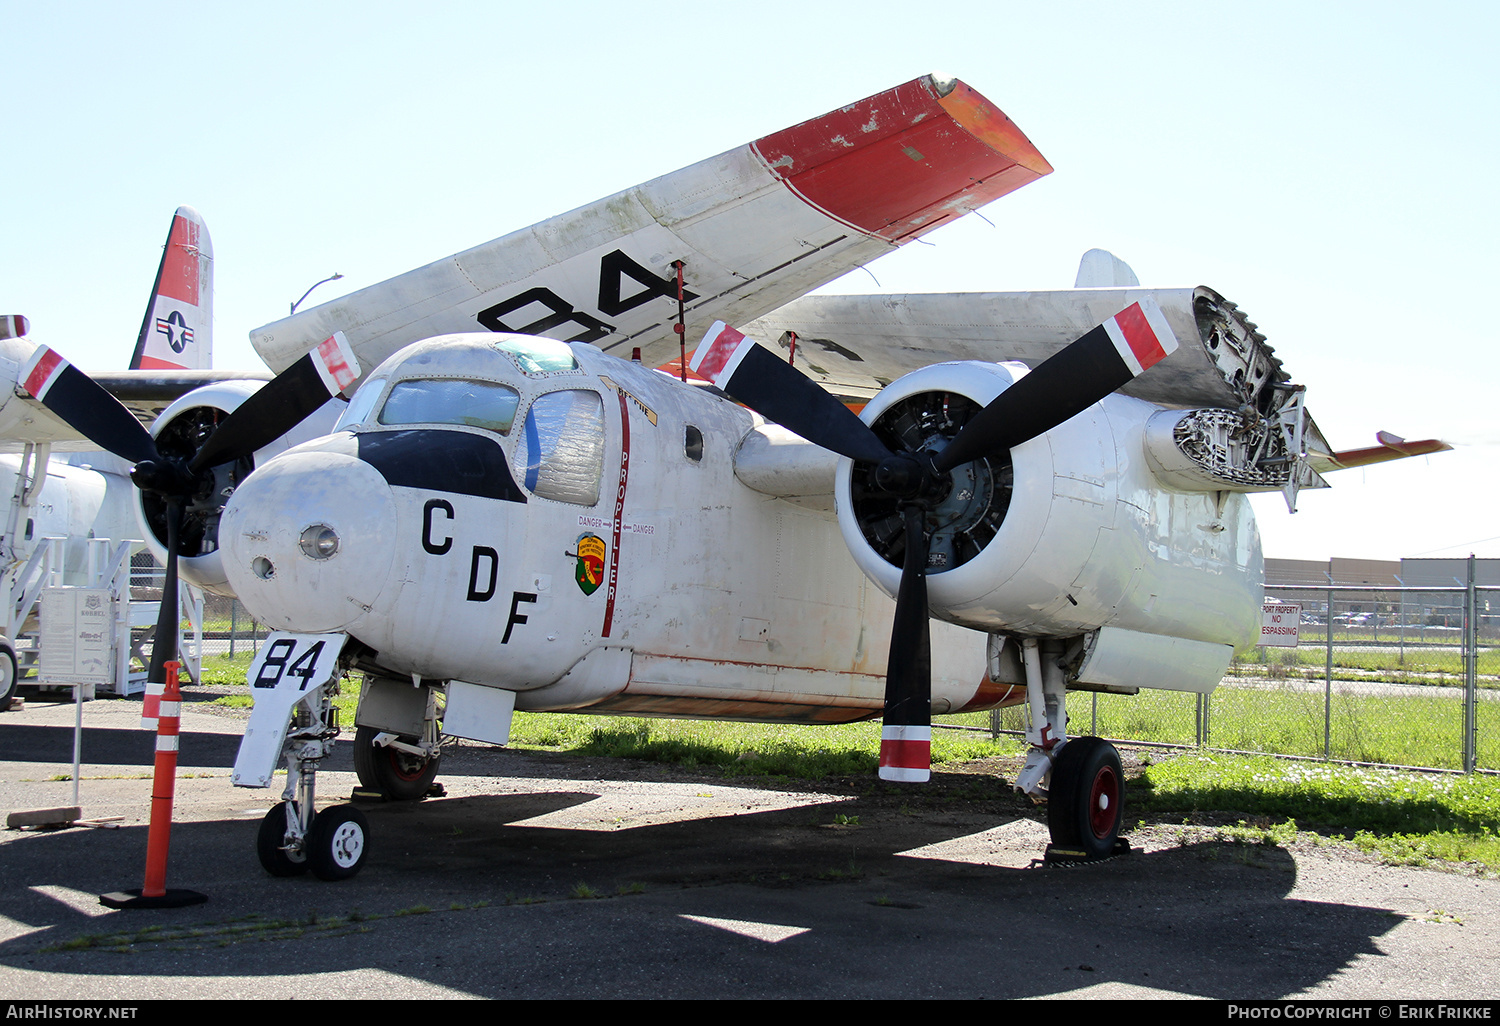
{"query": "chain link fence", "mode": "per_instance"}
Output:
(1403, 677)
(228, 629)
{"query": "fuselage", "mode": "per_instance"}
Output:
(537, 516)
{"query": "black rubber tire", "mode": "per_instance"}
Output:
(268, 840)
(338, 843)
(1084, 801)
(10, 677)
(397, 775)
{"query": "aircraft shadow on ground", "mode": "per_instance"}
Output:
(1212, 918)
(114, 746)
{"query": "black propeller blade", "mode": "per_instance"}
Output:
(277, 407)
(1066, 383)
(777, 391)
(84, 404)
(906, 735)
(1062, 386)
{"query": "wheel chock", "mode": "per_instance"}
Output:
(1059, 855)
(44, 819)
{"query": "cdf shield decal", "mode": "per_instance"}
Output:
(589, 572)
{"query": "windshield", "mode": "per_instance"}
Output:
(481, 404)
(361, 405)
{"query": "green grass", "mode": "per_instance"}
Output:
(776, 750)
(1416, 664)
(1409, 818)
(223, 671)
(1417, 729)
(1404, 817)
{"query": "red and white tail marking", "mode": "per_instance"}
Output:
(905, 753)
(177, 332)
(1141, 335)
(13, 326)
(41, 371)
(718, 356)
(336, 363)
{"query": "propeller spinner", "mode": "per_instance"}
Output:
(917, 479)
(271, 412)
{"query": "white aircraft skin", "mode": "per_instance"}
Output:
(727, 602)
(730, 603)
(1091, 538)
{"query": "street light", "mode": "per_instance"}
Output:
(298, 303)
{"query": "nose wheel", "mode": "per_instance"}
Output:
(1084, 809)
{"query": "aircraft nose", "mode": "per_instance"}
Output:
(306, 541)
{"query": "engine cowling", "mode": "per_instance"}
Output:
(179, 432)
(1067, 532)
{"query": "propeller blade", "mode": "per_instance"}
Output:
(169, 619)
(1066, 383)
(777, 391)
(282, 403)
(86, 406)
(906, 736)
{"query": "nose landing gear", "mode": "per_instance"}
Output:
(294, 722)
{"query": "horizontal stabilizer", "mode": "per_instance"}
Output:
(1391, 447)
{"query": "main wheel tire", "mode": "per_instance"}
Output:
(1084, 807)
(268, 845)
(338, 843)
(398, 775)
(10, 678)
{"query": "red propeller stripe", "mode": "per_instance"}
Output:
(41, 371)
(719, 354)
(333, 363)
(1143, 340)
(905, 752)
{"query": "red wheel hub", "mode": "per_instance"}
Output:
(1104, 802)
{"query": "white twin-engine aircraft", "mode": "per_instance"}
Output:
(1044, 491)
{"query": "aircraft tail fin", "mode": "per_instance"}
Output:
(177, 331)
(1101, 269)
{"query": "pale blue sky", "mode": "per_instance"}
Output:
(1329, 167)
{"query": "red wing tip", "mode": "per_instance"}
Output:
(14, 326)
(989, 124)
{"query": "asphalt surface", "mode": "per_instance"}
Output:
(557, 877)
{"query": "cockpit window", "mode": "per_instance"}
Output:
(538, 355)
(481, 404)
(565, 446)
(361, 405)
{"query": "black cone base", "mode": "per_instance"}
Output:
(133, 898)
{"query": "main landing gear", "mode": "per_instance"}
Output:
(1080, 778)
(1083, 804)
(401, 769)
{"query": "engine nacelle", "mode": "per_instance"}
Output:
(179, 432)
(1068, 532)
